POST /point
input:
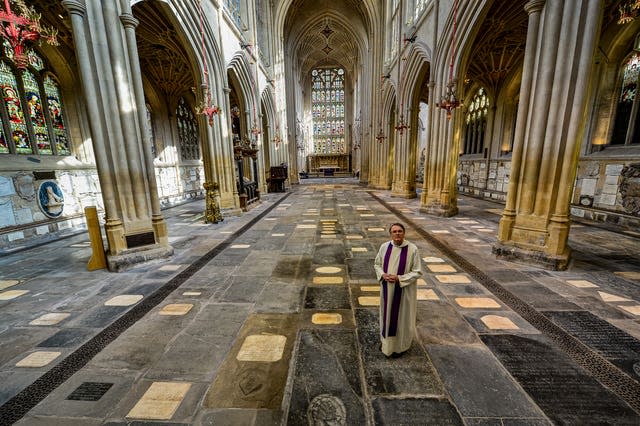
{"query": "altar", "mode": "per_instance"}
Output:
(328, 164)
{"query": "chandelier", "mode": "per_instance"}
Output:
(18, 30)
(205, 108)
(449, 101)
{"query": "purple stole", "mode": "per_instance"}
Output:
(397, 291)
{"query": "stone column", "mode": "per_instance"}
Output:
(108, 79)
(159, 225)
(404, 184)
(558, 60)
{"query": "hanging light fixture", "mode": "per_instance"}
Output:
(401, 126)
(449, 101)
(380, 137)
(18, 30)
(206, 108)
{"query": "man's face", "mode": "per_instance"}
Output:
(397, 235)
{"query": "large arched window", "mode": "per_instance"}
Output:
(625, 129)
(234, 8)
(327, 107)
(476, 123)
(32, 111)
(187, 131)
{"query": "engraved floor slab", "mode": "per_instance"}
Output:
(477, 302)
(328, 270)
(564, 391)
(50, 319)
(176, 309)
(262, 348)
(581, 283)
(38, 359)
(8, 283)
(430, 259)
(415, 411)
(497, 322)
(412, 373)
(254, 384)
(326, 381)
(328, 280)
(427, 294)
(12, 294)
(160, 401)
(369, 300)
(327, 298)
(608, 297)
(124, 300)
(453, 279)
(467, 372)
(441, 268)
(326, 318)
(634, 310)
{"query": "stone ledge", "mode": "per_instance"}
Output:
(135, 257)
(529, 257)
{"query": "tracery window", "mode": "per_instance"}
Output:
(32, 112)
(148, 128)
(626, 129)
(394, 24)
(187, 131)
(476, 123)
(233, 6)
(327, 109)
(416, 10)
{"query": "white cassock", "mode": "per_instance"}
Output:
(398, 300)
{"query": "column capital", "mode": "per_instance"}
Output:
(129, 21)
(533, 6)
(75, 7)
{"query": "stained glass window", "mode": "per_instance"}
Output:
(149, 130)
(17, 124)
(33, 126)
(476, 123)
(54, 102)
(187, 131)
(34, 107)
(327, 109)
(623, 131)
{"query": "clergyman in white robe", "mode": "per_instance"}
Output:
(398, 300)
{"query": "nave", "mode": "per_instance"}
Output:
(271, 318)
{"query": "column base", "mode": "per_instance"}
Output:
(438, 210)
(532, 257)
(128, 259)
(404, 194)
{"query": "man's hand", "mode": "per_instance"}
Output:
(390, 278)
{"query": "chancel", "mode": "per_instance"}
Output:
(193, 194)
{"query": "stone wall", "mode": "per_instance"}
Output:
(24, 223)
(604, 190)
(485, 179)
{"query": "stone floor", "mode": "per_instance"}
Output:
(271, 318)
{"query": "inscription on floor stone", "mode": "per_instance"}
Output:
(441, 268)
(328, 280)
(192, 293)
(427, 294)
(430, 259)
(160, 401)
(453, 279)
(359, 249)
(607, 297)
(564, 391)
(124, 300)
(369, 300)
(50, 319)
(581, 283)
(496, 322)
(176, 309)
(635, 309)
(326, 318)
(326, 387)
(375, 288)
(262, 348)
(89, 391)
(328, 270)
(38, 359)
(477, 302)
(12, 294)
(8, 283)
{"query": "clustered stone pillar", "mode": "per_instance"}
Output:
(135, 229)
(558, 59)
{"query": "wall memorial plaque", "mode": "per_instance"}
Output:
(50, 199)
(24, 185)
(630, 188)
